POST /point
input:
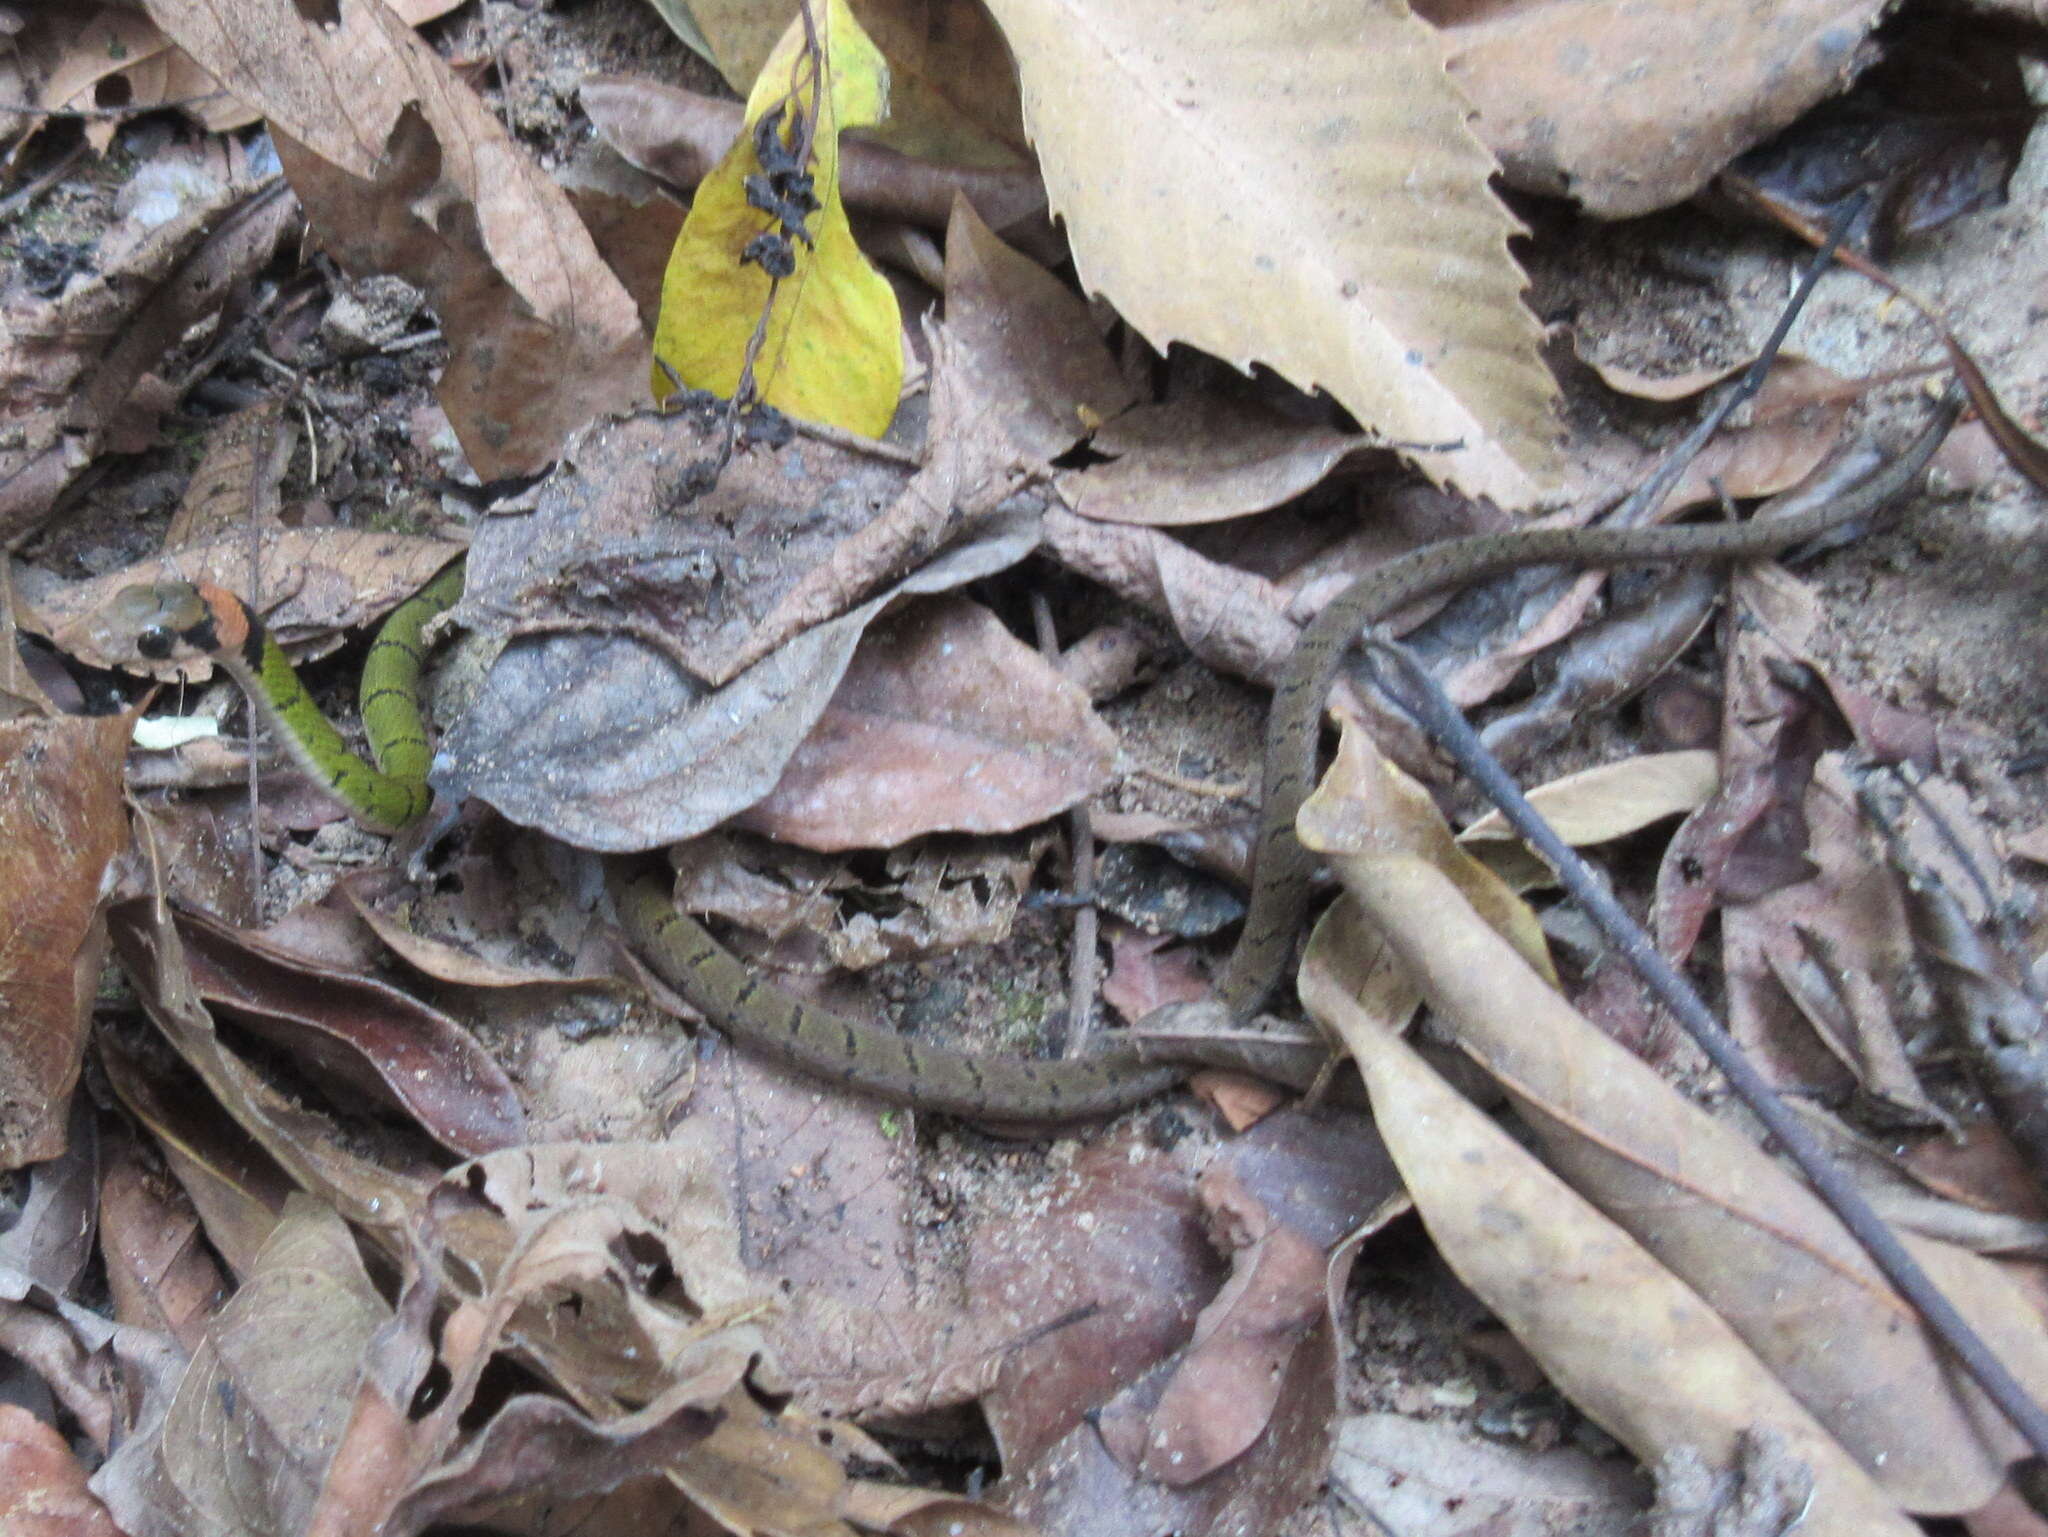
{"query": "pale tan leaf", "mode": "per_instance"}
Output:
(1628, 1342)
(1294, 184)
(1741, 1231)
(1607, 801)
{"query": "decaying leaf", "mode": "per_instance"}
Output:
(953, 93)
(829, 350)
(1323, 211)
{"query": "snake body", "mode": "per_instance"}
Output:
(166, 621)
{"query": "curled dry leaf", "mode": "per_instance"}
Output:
(1595, 805)
(1201, 458)
(943, 722)
(599, 557)
(403, 169)
(1741, 1231)
(1624, 111)
(362, 1036)
(60, 825)
(1361, 250)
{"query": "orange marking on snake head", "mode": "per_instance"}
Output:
(230, 618)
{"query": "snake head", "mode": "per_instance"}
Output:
(155, 622)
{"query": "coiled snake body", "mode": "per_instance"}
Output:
(167, 621)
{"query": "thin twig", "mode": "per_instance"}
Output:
(1418, 693)
(1082, 962)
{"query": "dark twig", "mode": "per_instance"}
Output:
(1418, 693)
(1653, 491)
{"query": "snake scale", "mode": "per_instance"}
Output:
(177, 621)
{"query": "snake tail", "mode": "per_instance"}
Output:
(776, 1023)
(1285, 871)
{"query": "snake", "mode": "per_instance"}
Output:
(180, 621)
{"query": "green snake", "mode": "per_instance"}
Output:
(179, 621)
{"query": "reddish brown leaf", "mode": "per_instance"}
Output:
(60, 823)
(944, 722)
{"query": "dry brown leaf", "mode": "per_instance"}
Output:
(1273, 188)
(1594, 1309)
(249, 1433)
(1028, 340)
(159, 1271)
(1279, 1199)
(359, 1036)
(943, 722)
(312, 1150)
(1818, 942)
(402, 169)
(60, 824)
(1741, 1231)
(1231, 619)
(1610, 800)
(234, 487)
(235, 1187)
(111, 56)
(50, 1239)
(1625, 110)
(1201, 458)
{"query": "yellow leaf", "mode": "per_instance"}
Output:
(832, 350)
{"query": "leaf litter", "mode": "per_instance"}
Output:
(667, 1262)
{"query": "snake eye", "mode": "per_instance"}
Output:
(156, 642)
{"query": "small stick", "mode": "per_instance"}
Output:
(1407, 682)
